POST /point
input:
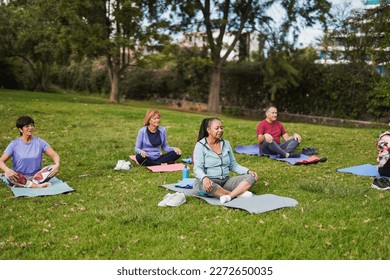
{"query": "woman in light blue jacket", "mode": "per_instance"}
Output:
(151, 139)
(213, 161)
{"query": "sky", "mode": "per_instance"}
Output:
(309, 35)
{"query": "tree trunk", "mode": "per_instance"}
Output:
(41, 72)
(113, 71)
(215, 88)
(114, 95)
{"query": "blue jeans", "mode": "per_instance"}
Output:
(274, 148)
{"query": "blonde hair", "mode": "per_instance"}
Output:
(150, 114)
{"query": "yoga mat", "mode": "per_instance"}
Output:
(248, 150)
(362, 170)
(166, 167)
(187, 160)
(133, 158)
(254, 150)
(290, 160)
(256, 204)
(186, 183)
(162, 168)
(57, 187)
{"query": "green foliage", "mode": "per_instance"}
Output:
(328, 90)
(31, 31)
(219, 19)
(117, 30)
(242, 85)
(379, 99)
(8, 78)
(173, 73)
(113, 215)
(146, 84)
(279, 74)
(88, 75)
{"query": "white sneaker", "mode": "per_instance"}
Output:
(126, 165)
(225, 198)
(246, 194)
(176, 199)
(119, 164)
(163, 203)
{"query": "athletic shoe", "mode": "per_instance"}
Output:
(323, 159)
(246, 194)
(309, 151)
(292, 155)
(176, 199)
(126, 165)
(163, 203)
(224, 198)
(42, 176)
(119, 164)
(381, 184)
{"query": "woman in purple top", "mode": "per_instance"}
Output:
(151, 139)
(26, 153)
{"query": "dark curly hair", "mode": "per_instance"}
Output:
(24, 120)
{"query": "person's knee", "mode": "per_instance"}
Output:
(199, 190)
(250, 179)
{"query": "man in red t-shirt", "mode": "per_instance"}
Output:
(269, 132)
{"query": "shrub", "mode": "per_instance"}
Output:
(379, 98)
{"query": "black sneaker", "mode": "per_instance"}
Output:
(381, 184)
(293, 155)
(309, 151)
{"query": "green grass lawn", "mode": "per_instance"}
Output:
(114, 214)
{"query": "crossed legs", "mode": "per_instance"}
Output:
(283, 149)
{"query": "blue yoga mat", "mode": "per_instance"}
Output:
(248, 150)
(254, 150)
(186, 183)
(290, 160)
(57, 187)
(362, 170)
(187, 160)
(256, 204)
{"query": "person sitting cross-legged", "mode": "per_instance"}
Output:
(269, 132)
(26, 153)
(151, 139)
(213, 161)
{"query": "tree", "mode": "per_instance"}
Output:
(221, 18)
(366, 35)
(279, 74)
(31, 31)
(379, 98)
(118, 30)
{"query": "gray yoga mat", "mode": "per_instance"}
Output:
(57, 187)
(256, 204)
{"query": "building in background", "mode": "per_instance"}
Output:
(247, 44)
(338, 46)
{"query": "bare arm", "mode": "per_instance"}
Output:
(8, 171)
(267, 137)
(56, 158)
(287, 137)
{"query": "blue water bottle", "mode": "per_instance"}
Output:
(185, 173)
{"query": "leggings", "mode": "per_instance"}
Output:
(385, 169)
(170, 157)
(274, 148)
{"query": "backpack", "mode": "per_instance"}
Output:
(383, 147)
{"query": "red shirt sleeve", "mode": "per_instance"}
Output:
(260, 128)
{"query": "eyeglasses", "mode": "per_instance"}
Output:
(29, 126)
